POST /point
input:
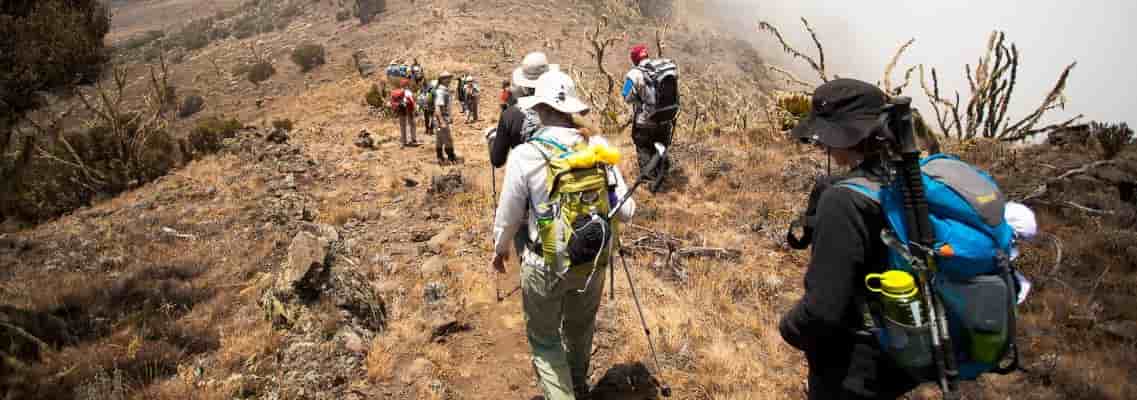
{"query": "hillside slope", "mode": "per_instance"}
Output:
(187, 287)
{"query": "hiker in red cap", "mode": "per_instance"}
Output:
(651, 87)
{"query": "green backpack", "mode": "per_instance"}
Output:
(576, 236)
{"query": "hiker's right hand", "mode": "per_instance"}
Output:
(499, 262)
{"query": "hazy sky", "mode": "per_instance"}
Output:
(860, 37)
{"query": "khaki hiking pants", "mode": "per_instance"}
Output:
(559, 321)
(407, 127)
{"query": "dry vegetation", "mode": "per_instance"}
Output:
(159, 293)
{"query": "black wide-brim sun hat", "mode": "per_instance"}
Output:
(844, 112)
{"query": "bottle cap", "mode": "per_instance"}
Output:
(894, 283)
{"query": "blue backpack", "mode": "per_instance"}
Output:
(973, 279)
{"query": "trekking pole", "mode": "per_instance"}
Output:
(661, 151)
(921, 239)
(491, 134)
(664, 388)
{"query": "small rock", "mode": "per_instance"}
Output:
(444, 324)
(442, 239)
(448, 183)
(408, 182)
(364, 140)
(434, 292)
(352, 342)
(434, 266)
(419, 368)
(278, 136)
(1122, 329)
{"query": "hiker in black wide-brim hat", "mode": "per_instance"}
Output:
(845, 362)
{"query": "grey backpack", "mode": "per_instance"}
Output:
(531, 125)
(660, 96)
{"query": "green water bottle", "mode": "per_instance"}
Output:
(906, 327)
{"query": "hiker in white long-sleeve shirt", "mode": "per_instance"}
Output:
(560, 308)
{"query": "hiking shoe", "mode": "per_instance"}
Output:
(582, 392)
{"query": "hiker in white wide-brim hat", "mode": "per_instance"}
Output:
(532, 67)
(560, 310)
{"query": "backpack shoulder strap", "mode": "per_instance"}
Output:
(864, 186)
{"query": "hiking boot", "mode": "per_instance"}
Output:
(582, 392)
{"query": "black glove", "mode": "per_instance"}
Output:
(806, 220)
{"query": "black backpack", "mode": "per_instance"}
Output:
(660, 97)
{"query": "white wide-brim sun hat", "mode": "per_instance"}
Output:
(557, 90)
(532, 67)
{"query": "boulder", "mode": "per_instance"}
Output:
(448, 183)
(307, 258)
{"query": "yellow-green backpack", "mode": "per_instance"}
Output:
(576, 236)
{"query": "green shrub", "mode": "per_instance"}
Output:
(308, 56)
(196, 35)
(374, 97)
(285, 124)
(260, 72)
(343, 15)
(791, 107)
(153, 52)
(47, 44)
(208, 135)
(191, 105)
(1111, 138)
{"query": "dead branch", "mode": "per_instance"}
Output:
(892, 65)
(789, 77)
(1041, 190)
(659, 36)
(716, 252)
(1088, 209)
(992, 84)
(817, 65)
(907, 81)
(1054, 99)
(21, 332)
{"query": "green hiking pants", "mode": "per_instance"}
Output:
(560, 318)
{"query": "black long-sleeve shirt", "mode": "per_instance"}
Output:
(508, 135)
(823, 324)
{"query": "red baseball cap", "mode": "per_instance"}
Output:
(638, 53)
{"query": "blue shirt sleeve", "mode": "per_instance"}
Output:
(628, 85)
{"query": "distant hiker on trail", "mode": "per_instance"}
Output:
(462, 92)
(518, 123)
(473, 93)
(403, 104)
(426, 101)
(505, 99)
(418, 74)
(651, 87)
(561, 291)
(443, 142)
(846, 247)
